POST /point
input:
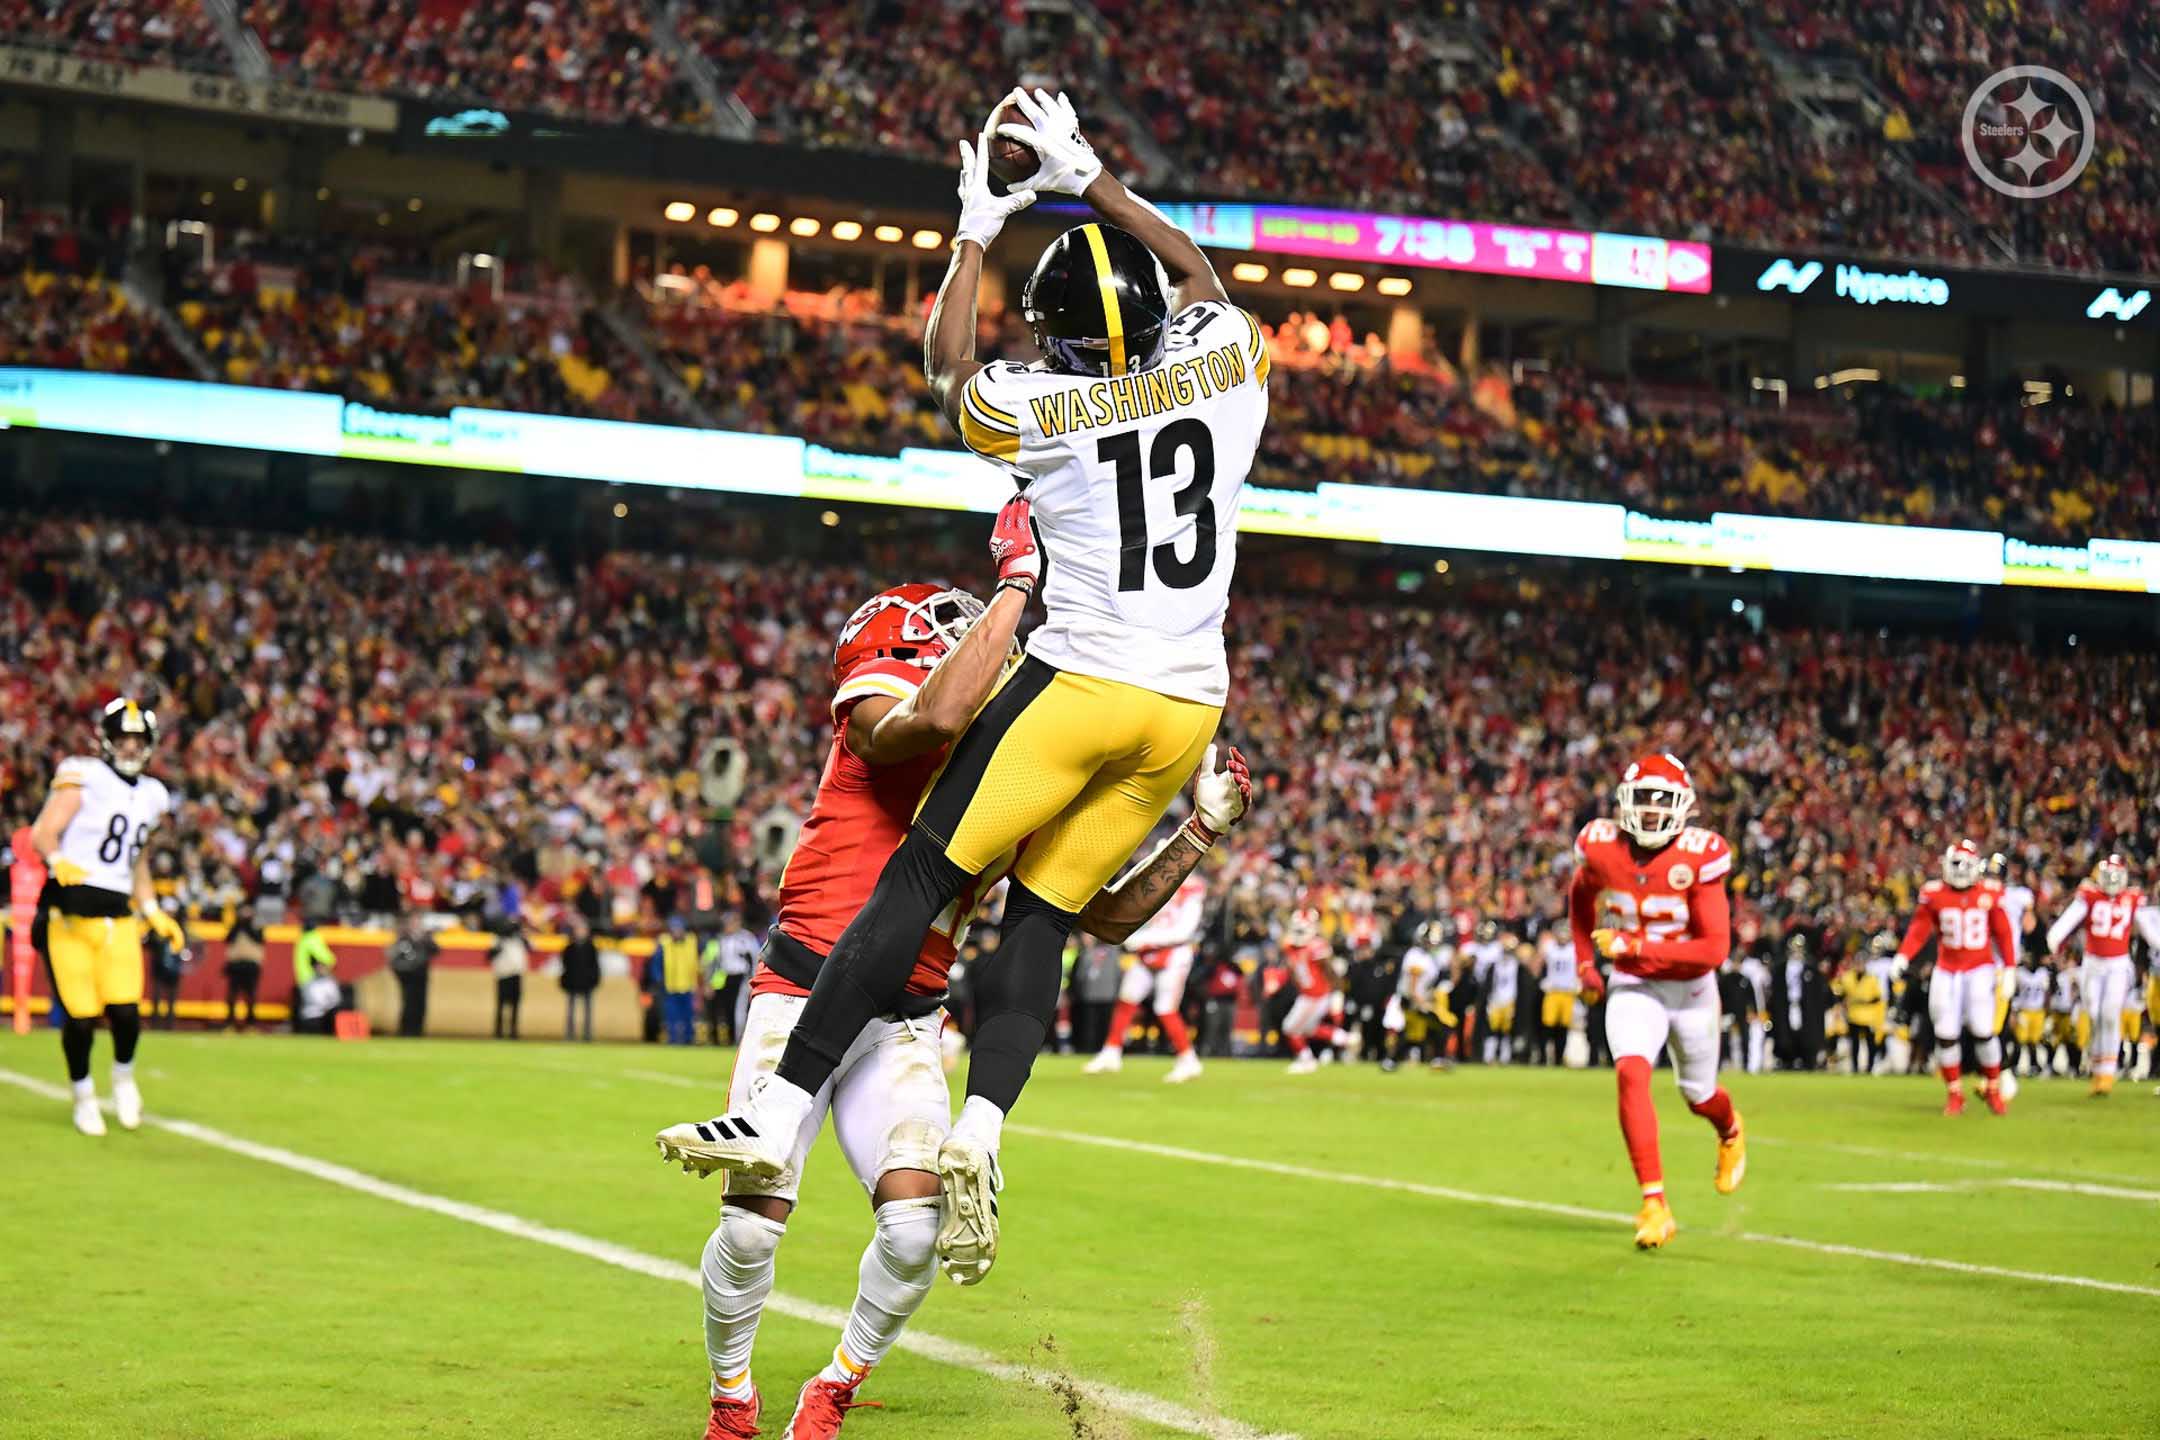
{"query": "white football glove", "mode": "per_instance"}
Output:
(982, 214)
(1221, 797)
(1069, 163)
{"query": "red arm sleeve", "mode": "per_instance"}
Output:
(1705, 946)
(1917, 933)
(2005, 938)
(1582, 916)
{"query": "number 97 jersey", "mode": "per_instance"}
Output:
(114, 822)
(1135, 480)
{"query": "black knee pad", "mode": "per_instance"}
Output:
(1022, 903)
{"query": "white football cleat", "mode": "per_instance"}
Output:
(1106, 1062)
(1186, 1068)
(88, 1117)
(755, 1140)
(127, 1102)
(1304, 1064)
(969, 1178)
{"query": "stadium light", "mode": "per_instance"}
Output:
(621, 510)
(720, 217)
(1957, 382)
(1857, 372)
(890, 234)
(829, 519)
(1439, 567)
(804, 226)
(847, 230)
(1394, 285)
(764, 222)
(483, 262)
(1300, 279)
(239, 182)
(926, 239)
(1346, 280)
(413, 204)
(1250, 273)
(679, 210)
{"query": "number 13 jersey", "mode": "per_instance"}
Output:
(109, 831)
(1135, 480)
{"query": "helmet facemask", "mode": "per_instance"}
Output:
(2112, 876)
(1653, 809)
(123, 722)
(1962, 867)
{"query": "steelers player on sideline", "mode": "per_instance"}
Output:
(1132, 437)
(91, 835)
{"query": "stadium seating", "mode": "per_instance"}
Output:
(166, 32)
(421, 724)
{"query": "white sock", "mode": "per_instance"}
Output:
(1113, 1048)
(898, 1267)
(981, 1122)
(738, 1273)
(122, 1072)
(85, 1089)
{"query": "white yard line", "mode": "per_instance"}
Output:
(1930, 1157)
(2006, 1182)
(1548, 1207)
(1132, 1404)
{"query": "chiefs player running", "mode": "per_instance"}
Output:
(2108, 906)
(1965, 914)
(1649, 895)
(912, 667)
(1312, 971)
(1162, 958)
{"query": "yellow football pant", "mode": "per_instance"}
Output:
(96, 961)
(1559, 1009)
(1075, 770)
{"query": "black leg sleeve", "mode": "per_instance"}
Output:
(75, 1038)
(867, 971)
(1016, 997)
(126, 1023)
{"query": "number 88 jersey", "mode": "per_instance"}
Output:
(1135, 480)
(114, 822)
(1648, 893)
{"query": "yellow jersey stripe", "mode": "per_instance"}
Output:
(994, 444)
(1259, 345)
(1112, 320)
(973, 391)
(984, 416)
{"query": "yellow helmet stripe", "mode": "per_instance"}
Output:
(1103, 281)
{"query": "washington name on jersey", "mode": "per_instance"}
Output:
(1649, 895)
(109, 830)
(1136, 483)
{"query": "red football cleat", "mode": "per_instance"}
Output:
(1995, 1102)
(733, 1419)
(1955, 1105)
(822, 1407)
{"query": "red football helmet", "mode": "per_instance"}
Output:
(1963, 865)
(2112, 875)
(1304, 927)
(916, 623)
(1654, 799)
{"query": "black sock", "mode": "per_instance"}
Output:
(75, 1038)
(126, 1023)
(1016, 997)
(867, 971)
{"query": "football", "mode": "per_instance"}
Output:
(1010, 161)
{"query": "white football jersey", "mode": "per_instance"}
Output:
(1420, 968)
(1136, 482)
(108, 833)
(1558, 952)
(1506, 970)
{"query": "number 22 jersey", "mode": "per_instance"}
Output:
(1135, 480)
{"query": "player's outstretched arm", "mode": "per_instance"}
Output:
(949, 341)
(2066, 924)
(1069, 167)
(1220, 800)
(883, 731)
(1917, 933)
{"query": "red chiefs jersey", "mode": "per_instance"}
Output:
(1969, 926)
(1648, 895)
(1309, 967)
(1173, 928)
(861, 814)
(2109, 920)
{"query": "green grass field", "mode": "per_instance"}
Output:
(1360, 1277)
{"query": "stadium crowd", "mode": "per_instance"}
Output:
(409, 727)
(1669, 117)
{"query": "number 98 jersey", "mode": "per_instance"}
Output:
(1135, 480)
(109, 831)
(1649, 895)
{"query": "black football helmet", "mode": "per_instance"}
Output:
(122, 718)
(1095, 303)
